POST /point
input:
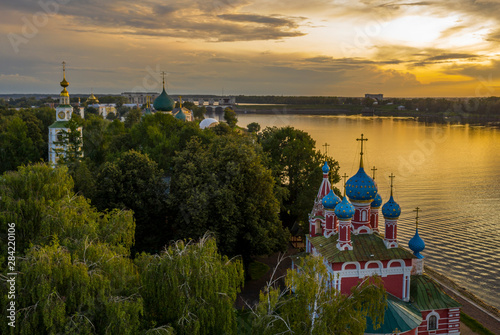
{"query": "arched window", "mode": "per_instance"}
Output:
(432, 323)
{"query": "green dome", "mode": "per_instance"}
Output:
(163, 102)
(180, 115)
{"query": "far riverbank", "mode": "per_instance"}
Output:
(383, 111)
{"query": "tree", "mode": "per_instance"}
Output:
(16, 145)
(134, 182)
(90, 111)
(296, 166)
(253, 127)
(69, 144)
(74, 271)
(25, 197)
(133, 117)
(224, 188)
(161, 135)
(314, 306)
(230, 117)
(197, 289)
(95, 142)
(199, 112)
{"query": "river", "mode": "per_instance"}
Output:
(451, 172)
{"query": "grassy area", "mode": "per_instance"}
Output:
(474, 325)
(257, 269)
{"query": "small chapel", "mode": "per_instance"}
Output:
(346, 233)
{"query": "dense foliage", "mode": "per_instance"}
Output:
(296, 167)
(223, 187)
(23, 136)
(191, 287)
(75, 274)
(308, 304)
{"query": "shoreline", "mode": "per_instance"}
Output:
(476, 120)
(485, 314)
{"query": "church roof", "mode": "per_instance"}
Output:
(163, 102)
(426, 294)
(59, 124)
(366, 247)
(399, 317)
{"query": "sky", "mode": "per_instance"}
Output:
(447, 48)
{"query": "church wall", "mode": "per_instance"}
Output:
(448, 321)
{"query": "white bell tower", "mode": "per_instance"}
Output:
(63, 114)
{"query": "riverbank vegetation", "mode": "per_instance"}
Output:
(477, 110)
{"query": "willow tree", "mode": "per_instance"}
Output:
(74, 271)
(191, 287)
(314, 306)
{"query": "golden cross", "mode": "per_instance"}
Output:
(325, 146)
(374, 169)
(362, 140)
(163, 74)
(392, 180)
(345, 180)
(416, 218)
(64, 69)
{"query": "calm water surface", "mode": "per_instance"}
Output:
(451, 172)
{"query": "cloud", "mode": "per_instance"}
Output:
(449, 56)
(215, 21)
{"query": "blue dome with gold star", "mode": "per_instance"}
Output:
(325, 168)
(416, 245)
(377, 202)
(330, 200)
(391, 209)
(361, 187)
(344, 210)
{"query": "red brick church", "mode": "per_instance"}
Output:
(346, 233)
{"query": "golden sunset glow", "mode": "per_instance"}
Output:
(336, 48)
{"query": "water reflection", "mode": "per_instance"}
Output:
(450, 172)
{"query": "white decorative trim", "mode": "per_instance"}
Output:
(344, 246)
(433, 313)
(361, 230)
(389, 244)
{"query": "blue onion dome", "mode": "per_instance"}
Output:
(344, 210)
(416, 245)
(325, 168)
(391, 209)
(330, 200)
(377, 202)
(163, 102)
(361, 187)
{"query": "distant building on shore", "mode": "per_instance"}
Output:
(346, 233)
(139, 98)
(378, 97)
